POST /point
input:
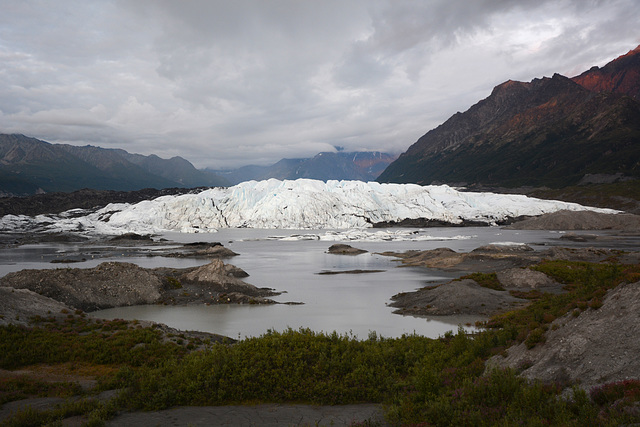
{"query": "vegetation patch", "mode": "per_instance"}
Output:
(486, 280)
(586, 284)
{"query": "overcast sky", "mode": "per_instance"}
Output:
(229, 83)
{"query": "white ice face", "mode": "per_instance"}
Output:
(299, 204)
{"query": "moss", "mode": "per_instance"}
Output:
(173, 283)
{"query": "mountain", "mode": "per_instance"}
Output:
(548, 132)
(621, 75)
(29, 166)
(361, 166)
(299, 204)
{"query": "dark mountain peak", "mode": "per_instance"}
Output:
(622, 75)
(508, 86)
(28, 165)
(507, 92)
(508, 102)
(550, 131)
(21, 149)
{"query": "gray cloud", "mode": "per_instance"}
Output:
(250, 81)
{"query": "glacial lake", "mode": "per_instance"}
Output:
(346, 303)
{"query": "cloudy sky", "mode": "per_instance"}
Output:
(229, 83)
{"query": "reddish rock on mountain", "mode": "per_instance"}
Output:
(547, 132)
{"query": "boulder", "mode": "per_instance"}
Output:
(456, 297)
(526, 279)
(110, 284)
(222, 279)
(342, 249)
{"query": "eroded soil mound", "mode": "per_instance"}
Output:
(455, 297)
(598, 346)
(580, 220)
(342, 249)
(17, 306)
(110, 284)
(116, 284)
(510, 265)
(501, 257)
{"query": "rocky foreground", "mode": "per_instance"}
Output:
(597, 347)
(591, 347)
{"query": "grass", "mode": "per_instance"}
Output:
(421, 381)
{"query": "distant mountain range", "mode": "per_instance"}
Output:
(361, 166)
(551, 132)
(29, 166)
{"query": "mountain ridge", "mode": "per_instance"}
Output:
(356, 165)
(551, 132)
(29, 166)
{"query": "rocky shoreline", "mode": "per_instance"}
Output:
(510, 264)
(31, 293)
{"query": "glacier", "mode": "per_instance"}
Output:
(293, 204)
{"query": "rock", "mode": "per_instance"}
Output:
(483, 259)
(503, 249)
(456, 297)
(110, 284)
(117, 284)
(494, 258)
(342, 249)
(234, 271)
(131, 236)
(216, 251)
(509, 263)
(203, 249)
(238, 298)
(357, 271)
(218, 277)
(17, 306)
(527, 279)
(597, 347)
(581, 238)
(580, 220)
(216, 270)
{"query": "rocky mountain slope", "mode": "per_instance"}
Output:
(360, 166)
(619, 76)
(548, 132)
(29, 166)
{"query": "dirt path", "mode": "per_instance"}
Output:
(256, 415)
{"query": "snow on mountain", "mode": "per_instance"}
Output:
(299, 204)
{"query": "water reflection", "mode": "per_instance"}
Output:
(353, 303)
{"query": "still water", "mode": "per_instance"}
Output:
(346, 303)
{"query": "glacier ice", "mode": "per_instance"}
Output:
(295, 204)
